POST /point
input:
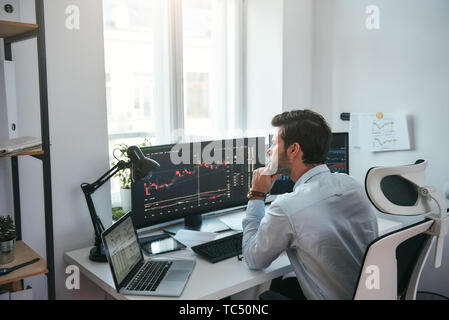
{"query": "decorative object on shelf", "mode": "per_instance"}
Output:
(120, 154)
(140, 167)
(7, 239)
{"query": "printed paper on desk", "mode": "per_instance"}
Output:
(191, 238)
(233, 221)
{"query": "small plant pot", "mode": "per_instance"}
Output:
(125, 199)
(7, 249)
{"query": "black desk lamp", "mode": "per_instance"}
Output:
(140, 166)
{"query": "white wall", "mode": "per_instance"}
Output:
(297, 54)
(278, 59)
(404, 66)
(78, 134)
(263, 62)
(78, 122)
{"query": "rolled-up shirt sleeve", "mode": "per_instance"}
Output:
(265, 234)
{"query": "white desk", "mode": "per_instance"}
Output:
(208, 281)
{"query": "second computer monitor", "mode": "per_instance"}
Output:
(194, 179)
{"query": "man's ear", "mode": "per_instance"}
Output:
(294, 150)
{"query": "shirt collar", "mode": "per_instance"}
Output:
(310, 174)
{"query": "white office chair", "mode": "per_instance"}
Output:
(393, 263)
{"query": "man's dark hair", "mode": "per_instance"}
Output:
(307, 128)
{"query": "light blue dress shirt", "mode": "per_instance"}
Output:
(325, 225)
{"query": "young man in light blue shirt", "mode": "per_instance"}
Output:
(325, 225)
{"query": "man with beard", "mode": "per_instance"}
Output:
(325, 225)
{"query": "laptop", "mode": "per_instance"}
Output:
(133, 274)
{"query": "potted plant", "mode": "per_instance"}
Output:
(7, 239)
(124, 176)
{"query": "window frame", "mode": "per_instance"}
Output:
(169, 74)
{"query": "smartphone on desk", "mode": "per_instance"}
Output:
(160, 243)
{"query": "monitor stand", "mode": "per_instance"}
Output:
(197, 223)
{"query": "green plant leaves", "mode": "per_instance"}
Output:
(7, 229)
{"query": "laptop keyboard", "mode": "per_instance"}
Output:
(149, 276)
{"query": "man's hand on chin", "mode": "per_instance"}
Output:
(263, 180)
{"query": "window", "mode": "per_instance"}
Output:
(196, 95)
(173, 70)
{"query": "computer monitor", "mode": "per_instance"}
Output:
(194, 179)
(337, 161)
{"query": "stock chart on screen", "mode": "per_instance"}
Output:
(196, 178)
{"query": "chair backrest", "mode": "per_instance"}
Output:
(393, 264)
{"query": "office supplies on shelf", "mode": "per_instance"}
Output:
(132, 274)
(19, 144)
(10, 11)
(26, 294)
(8, 100)
(195, 179)
(140, 166)
(220, 249)
(5, 271)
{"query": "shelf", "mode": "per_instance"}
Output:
(13, 29)
(22, 254)
(13, 32)
(31, 152)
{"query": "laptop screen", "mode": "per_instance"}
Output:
(123, 247)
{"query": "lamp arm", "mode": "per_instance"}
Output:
(108, 175)
(89, 189)
(96, 222)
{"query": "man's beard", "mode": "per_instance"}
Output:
(281, 166)
(284, 166)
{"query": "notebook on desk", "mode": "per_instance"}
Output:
(135, 276)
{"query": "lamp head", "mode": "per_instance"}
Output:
(141, 166)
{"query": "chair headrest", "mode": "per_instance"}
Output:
(394, 190)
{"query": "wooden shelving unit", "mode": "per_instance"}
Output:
(30, 152)
(23, 253)
(10, 29)
(13, 32)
